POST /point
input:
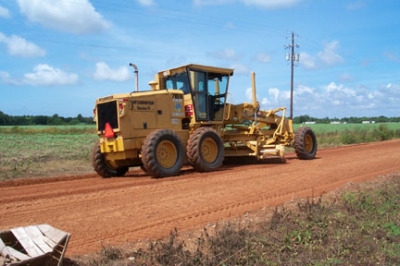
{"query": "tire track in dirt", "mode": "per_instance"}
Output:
(118, 210)
(215, 214)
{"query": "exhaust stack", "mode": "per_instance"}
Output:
(136, 75)
(254, 94)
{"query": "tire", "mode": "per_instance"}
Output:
(100, 166)
(305, 143)
(162, 153)
(205, 149)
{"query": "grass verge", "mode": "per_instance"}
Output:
(357, 226)
(40, 151)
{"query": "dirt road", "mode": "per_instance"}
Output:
(113, 211)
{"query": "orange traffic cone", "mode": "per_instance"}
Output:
(108, 131)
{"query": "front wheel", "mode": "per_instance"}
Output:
(100, 166)
(305, 143)
(162, 153)
(205, 149)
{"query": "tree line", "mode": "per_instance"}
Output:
(26, 120)
(35, 120)
(350, 120)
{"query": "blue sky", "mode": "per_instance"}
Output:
(58, 56)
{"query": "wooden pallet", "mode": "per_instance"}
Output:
(33, 245)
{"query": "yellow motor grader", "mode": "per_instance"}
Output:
(185, 118)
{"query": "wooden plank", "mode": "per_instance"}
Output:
(49, 242)
(37, 237)
(52, 233)
(26, 242)
(64, 244)
(6, 250)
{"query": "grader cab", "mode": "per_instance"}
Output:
(185, 119)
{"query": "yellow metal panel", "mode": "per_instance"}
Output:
(111, 145)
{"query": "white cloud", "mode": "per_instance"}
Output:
(230, 25)
(146, 2)
(339, 90)
(45, 75)
(274, 93)
(301, 89)
(345, 77)
(391, 91)
(4, 13)
(391, 57)
(263, 58)
(264, 103)
(228, 54)
(329, 55)
(42, 75)
(332, 100)
(268, 4)
(104, 72)
(308, 61)
(240, 69)
(77, 16)
(249, 94)
(18, 46)
(6, 78)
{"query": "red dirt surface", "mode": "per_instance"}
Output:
(115, 211)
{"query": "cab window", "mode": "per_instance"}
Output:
(178, 82)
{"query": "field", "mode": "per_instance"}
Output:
(39, 151)
(330, 128)
(333, 135)
(45, 151)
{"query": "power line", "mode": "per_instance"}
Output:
(292, 57)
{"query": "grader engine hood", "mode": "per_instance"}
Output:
(128, 115)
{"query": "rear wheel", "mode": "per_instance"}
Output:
(205, 149)
(305, 143)
(100, 166)
(163, 153)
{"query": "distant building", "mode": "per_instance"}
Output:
(310, 122)
(368, 122)
(335, 122)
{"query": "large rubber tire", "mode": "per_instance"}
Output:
(305, 143)
(205, 149)
(100, 166)
(163, 153)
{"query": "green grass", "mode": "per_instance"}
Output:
(67, 129)
(358, 227)
(331, 135)
(43, 154)
(33, 151)
(325, 128)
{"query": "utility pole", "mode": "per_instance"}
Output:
(292, 57)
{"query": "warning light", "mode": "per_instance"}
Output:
(189, 110)
(108, 131)
(121, 109)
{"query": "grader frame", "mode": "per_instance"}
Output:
(185, 118)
